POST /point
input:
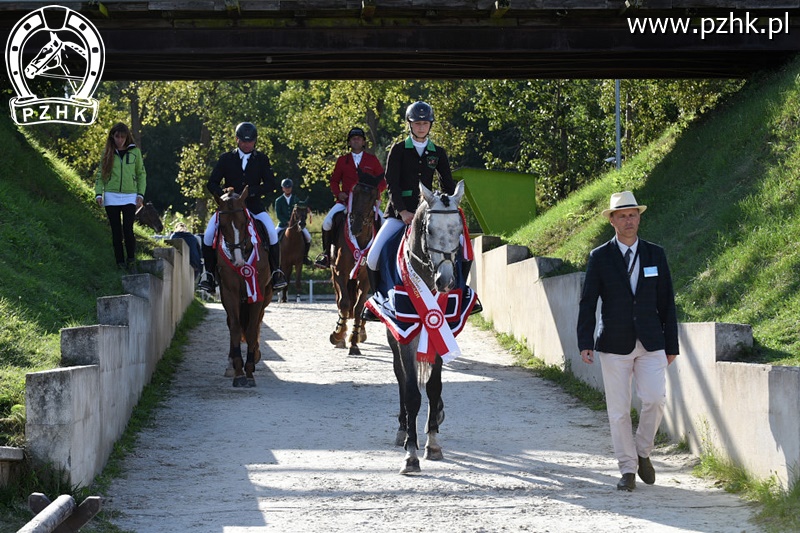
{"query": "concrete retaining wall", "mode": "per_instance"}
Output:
(745, 412)
(77, 412)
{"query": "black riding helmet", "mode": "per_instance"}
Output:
(246, 131)
(419, 112)
(357, 131)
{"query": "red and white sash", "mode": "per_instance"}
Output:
(436, 335)
(248, 271)
(359, 254)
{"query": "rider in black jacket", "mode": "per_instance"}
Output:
(244, 166)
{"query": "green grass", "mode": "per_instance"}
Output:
(55, 261)
(722, 196)
(13, 511)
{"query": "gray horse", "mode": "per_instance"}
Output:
(431, 249)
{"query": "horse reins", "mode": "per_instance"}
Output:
(449, 256)
(242, 244)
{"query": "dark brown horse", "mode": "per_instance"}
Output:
(352, 238)
(244, 287)
(148, 216)
(293, 249)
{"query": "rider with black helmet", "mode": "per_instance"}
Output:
(243, 166)
(414, 160)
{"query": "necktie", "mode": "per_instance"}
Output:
(628, 259)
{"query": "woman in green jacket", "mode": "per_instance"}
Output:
(120, 187)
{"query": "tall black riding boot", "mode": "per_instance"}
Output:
(208, 283)
(374, 281)
(466, 266)
(278, 279)
(306, 260)
(324, 259)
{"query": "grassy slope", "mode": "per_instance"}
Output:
(55, 260)
(723, 201)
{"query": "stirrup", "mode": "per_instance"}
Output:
(368, 315)
(322, 261)
(278, 280)
(208, 284)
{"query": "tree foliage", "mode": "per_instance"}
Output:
(559, 130)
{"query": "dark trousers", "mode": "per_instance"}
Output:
(121, 219)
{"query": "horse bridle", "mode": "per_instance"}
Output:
(449, 256)
(242, 244)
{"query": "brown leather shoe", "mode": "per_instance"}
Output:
(627, 482)
(646, 471)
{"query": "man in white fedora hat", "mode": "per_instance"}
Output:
(637, 336)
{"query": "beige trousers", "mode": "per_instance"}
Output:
(648, 371)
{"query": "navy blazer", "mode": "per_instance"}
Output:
(257, 175)
(649, 315)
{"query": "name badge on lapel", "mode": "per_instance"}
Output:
(651, 272)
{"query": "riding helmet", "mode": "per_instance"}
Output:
(357, 131)
(419, 112)
(287, 183)
(246, 131)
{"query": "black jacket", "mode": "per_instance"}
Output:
(649, 315)
(258, 175)
(406, 169)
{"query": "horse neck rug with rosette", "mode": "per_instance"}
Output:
(249, 270)
(412, 309)
(359, 253)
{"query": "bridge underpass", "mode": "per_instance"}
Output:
(428, 39)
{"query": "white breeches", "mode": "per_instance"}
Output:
(208, 236)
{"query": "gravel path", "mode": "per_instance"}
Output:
(310, 449)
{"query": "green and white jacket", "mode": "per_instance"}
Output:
(127, 175)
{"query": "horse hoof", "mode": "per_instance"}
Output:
(240, 381)
(251, 382)
(411, 467)
(400, 438)
(354, 350)
(433, 454)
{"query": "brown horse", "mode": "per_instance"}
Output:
(352, 238)
(148, 216)
(293, 249)
(244, 287)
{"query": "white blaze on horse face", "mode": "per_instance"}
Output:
(238, 257)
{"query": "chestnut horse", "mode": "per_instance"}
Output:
(430, 247)
(293, 249)
(244, 282)
(352, 240)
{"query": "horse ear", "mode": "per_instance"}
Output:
(245, 191)
(427, 194)
(459, 192)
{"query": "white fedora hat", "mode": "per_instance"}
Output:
(622, 200)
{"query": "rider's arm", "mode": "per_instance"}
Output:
(446, 180)
(214, 184)
(394, 166)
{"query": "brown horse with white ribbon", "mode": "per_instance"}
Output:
(244, 282)
(353, 237)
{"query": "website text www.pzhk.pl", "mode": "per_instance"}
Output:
(732, 24)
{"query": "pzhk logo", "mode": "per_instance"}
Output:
(64, 45)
